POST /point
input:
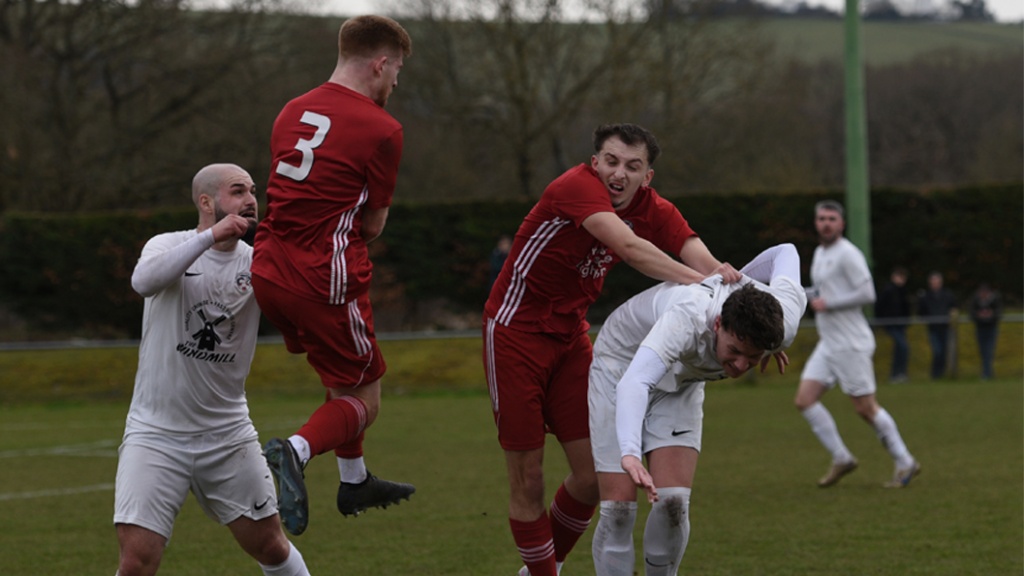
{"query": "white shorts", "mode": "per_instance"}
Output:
(854, 370)
(229, 478)
(672, 419)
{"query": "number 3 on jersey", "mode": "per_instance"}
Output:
(322, 124)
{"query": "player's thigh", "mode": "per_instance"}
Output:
(604, 441)
(518, 367)
(566, 412)
(674, 419)
(233, 480)
(855, 371)
(261, 539)
(275, 302)
(672, 466)
(818, 367)
(616, 487)
(152, 482)
(340, 342)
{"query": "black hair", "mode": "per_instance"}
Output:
(754, 316)
(630, 134)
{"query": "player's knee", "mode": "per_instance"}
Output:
(271, 549)
(137, 563)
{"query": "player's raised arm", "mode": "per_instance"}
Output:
(641, 254)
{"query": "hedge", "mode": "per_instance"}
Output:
(70, 274)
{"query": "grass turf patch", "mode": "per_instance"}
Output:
(755, 507)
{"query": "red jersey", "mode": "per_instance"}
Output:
(334, 153)
(555, 268)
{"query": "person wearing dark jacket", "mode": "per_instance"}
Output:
(892, 310)
(985, 308)
(936, 305)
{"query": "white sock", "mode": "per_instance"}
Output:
(301, 447)
(887, 432)
(612, 546)
(824, 427)
(294, 565)
(667, 532)
(352, 470)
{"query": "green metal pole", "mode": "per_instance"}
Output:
(858, 199)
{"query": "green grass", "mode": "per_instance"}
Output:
(755, 509)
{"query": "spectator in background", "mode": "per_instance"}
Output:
(892, 309)
(936, 304)
(498, 256)
(985, 308)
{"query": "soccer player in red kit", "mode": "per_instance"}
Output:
(536, 349)
(335, 155)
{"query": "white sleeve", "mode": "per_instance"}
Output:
(157, 269)
(631, 397)
(780, 260)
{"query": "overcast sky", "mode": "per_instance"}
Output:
(1004, 10)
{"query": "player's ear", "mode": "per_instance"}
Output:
(649, 177)
(378, 65)
(206, 203)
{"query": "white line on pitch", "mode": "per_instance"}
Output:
(100, 448)
(55, 492)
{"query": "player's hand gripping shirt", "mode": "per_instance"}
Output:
(335, 153)
(555, 268)
(198, 339)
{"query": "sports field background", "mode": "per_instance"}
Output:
(755, 507)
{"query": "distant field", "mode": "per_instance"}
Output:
(414, 366)
(755, 509)
(889, 43)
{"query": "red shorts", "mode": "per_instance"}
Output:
(339, 341)
(538, 384)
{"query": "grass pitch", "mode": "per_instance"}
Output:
(755, 508)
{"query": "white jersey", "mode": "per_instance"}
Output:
(677, 322)
(198, 339)
(840, 276)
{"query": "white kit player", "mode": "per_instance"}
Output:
(188, 427)
(842, 286)
(651, 360)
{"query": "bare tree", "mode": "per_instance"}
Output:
(509, 76)
(116, 99)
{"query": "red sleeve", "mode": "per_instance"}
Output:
(382, 171)
(578, 194)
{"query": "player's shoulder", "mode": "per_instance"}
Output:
(169, 239)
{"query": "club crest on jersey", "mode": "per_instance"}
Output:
(597, 262)
(209, 324)
(243, 281)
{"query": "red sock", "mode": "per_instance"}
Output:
(569, 520)
(336, 423)
(353, 449)
(533, 539)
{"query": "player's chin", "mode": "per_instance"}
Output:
(733, 372)
(250, 233)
